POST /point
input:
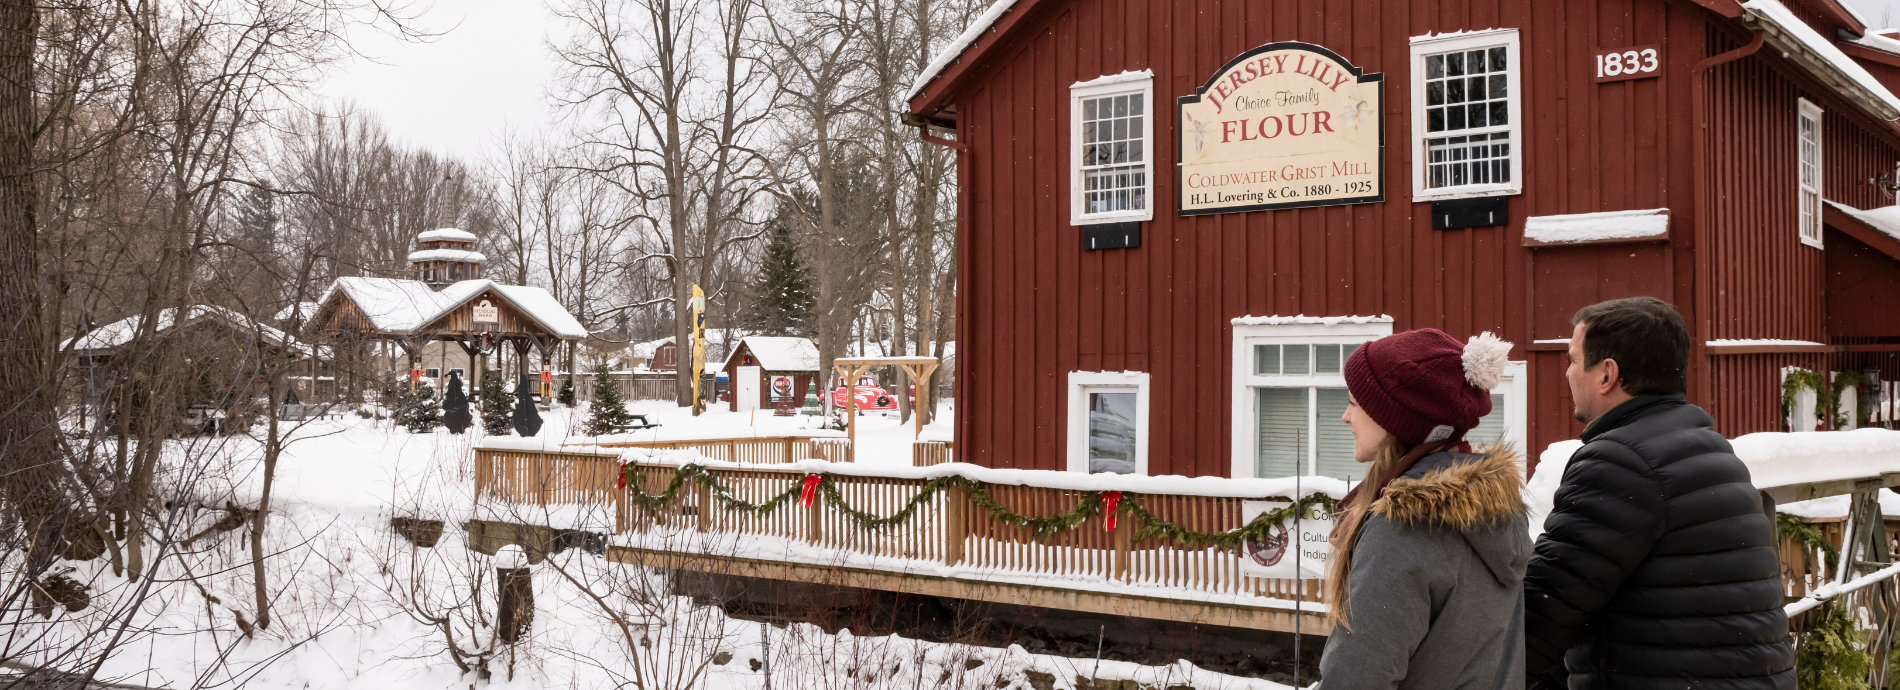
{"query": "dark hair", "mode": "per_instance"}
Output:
(1645, 336)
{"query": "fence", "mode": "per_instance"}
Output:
(759, 450)
(927, 453)
(948, 528)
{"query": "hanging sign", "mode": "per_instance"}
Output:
(1284, 125)
(1276, 555)
(487, 316)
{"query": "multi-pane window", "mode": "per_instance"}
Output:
(1809, 135)
(1298, 406)
(1112, 149)
(1468, 117)
(1468, 137)
(1114, 160)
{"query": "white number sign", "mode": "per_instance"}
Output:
(1629, 63)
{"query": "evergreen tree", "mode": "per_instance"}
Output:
(609, 411)
(566, 395)
(455, 406)
(257, 217)
(783, 297)
(495, 404)
(416, 410)
(527, 419)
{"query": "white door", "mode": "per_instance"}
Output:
(746, 389)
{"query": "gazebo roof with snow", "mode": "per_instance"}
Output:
(428, 307)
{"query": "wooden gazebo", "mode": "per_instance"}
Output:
(916, 370)
(476, 314)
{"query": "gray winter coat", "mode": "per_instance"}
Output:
(1437, 581)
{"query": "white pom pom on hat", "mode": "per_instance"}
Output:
(1484, 358)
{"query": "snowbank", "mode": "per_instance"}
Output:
(1783, 459)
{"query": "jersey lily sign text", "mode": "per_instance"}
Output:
(1283, 125)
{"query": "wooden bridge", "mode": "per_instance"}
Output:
(947, 546)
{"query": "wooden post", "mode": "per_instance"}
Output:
(814, 522)
(1124, 537)
(702, 497)
(788, 450)
(956, 525)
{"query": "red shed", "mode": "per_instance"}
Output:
(771, 372)
(1177, 218)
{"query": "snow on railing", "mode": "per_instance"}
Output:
(1834, 589)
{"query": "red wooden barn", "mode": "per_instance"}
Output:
(1178, 217)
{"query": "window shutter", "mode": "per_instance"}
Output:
(1283, 435)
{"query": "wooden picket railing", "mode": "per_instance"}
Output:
(755, 450)
(948, 529)
(927, 453)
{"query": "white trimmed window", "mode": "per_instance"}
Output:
(1466, 115)
(1809, 134)
(1108, 422)
(1111, 153)
(1290, 395)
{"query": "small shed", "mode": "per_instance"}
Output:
(771, 372)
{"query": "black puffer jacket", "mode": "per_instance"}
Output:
(1657, 568)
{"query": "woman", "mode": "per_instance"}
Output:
(1427, 574)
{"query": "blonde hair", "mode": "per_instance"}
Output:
(1346, 534)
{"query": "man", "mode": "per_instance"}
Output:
(1657, 568)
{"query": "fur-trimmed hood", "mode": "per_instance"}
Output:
(1474, 493)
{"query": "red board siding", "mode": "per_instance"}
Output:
(1035, 307)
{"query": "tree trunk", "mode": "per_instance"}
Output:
(29, 446)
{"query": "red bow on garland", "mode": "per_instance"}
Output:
(1109, 499)
(621, 483)
(811, 489)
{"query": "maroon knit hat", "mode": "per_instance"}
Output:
(1414, 382)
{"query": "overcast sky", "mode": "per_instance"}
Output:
(491, 70)
(455, 94)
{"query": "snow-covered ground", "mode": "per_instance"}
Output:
(355, 605)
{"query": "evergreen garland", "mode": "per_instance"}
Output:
(496, 411)
(1042, 527)
(1827, 395)
(608, 413)
(1829, 655)
(1796, 529)
(455, 414)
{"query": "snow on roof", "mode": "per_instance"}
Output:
(124, 330)
(1881, 42)
(780, 353)
(1885, 219)
(302, 309)
(1125, 76)
(951, 52)
(1789, 33)
(1607, 225)
(446, 255)
(1304, 319)
(395, 305)
(446, 235)
(645, 350)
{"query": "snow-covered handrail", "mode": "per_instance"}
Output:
(1833, 589)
